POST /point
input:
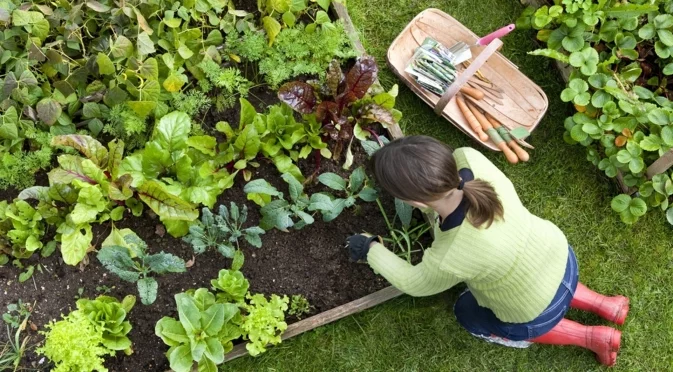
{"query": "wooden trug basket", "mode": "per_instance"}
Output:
(524, 103)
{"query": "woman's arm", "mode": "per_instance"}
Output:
(424, 279)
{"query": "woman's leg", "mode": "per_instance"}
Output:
(604, 341)
(613, 308)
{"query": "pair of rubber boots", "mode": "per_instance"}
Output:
(604, 341)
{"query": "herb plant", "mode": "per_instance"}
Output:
(407, 236)
(622, 59)
(15, 348)
(346, 110)
(132, 263)
(355, 187)
(223, 231)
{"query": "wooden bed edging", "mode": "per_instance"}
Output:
(326, 317)
(362, 303)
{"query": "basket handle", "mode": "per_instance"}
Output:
(454, 88)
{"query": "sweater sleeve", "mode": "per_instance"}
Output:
(423, 279)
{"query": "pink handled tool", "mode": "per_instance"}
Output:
(496, 35)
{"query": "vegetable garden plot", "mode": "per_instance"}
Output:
(106, 216)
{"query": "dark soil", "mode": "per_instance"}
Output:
(311, 262)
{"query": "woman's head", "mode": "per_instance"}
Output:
(423, 170)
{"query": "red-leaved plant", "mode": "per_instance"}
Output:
(341, 104)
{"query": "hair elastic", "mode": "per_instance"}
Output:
(461, 184)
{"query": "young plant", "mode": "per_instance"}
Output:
(299, 306)
(23, 228)
(353, 188)
(15, 348)
(108, 316)
(281, 213)
(128, 258)
(345, 109)
(231, 286)
(289, 12)
(223, 231)
(229, 80)
(196, 339)
(408, 235)
(264, 321)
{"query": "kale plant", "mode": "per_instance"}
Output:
(130, 260)
(223, 231)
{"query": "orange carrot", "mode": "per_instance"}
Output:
(520, 153)
(471, 120)
(495, 137)
(472, 92)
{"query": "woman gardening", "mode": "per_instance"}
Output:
(521, 274)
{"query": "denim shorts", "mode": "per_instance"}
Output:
(481, 321)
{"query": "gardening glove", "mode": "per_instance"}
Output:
(358, 245)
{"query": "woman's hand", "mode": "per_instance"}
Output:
(358, 245)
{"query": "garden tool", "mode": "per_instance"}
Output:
(462, 49)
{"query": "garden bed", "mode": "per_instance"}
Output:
(311, 262)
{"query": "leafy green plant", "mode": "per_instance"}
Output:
(355, 187)
(192, 103)
(198, 336)
(174, 171)
(347, 111)
(122, 123)
(289, 12)
(130, 261)
(18, 169)
(296, 51)
(223, 231)
(279, 212)
(74, 343)
(299, 306)
(622, 55)
(231, 286)
(264, 321)
(108, 316)
(23, 229)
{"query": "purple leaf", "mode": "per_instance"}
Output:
(359, 79)
(298, 95)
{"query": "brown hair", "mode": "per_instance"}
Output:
(423, 169)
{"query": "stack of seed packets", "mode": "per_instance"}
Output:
(433, 66)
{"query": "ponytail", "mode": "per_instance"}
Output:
(485, 206)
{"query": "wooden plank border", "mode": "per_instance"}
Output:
(360, 304)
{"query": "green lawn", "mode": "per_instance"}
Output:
(421, 334)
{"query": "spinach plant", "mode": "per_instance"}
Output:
(279, 212)
(346, 110)
(355, 187)
(132, 263)
(223, 231)
(622, 59)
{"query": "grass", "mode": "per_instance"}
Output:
(559, 184)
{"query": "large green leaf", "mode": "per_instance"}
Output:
(189, 314)
(248, 142)
(122, 47)
(171, 332)
(86, 145)
(172, 131)
(75, 244)
(48, 110)
(147, 288)
(145, 44)
(333, 181)
(164, 204)
(272, 28)
(180, 359)
(212, 319)
(105, 66)
(70, 169)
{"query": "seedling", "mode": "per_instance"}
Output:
(134, 264)
(408, 235)
(223, 231)
(13, 350)
(299, 306)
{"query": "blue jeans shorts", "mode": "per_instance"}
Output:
(482, 322)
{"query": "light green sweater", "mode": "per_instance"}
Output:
(514, 267)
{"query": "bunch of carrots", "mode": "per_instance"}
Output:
(486, 126)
